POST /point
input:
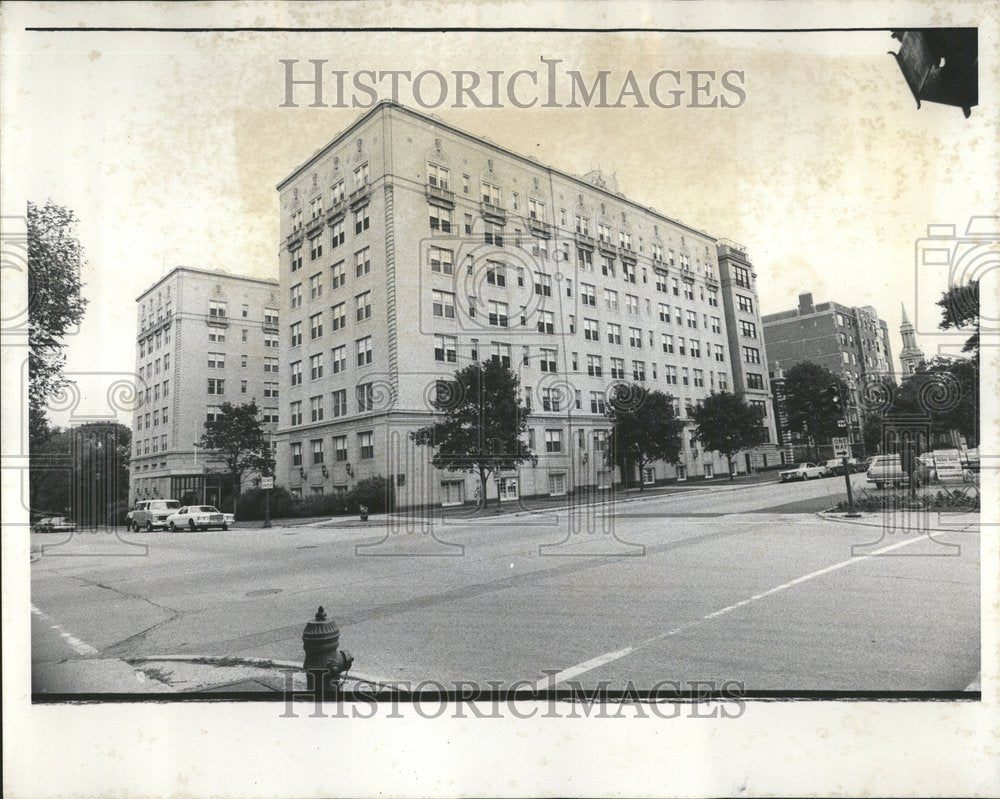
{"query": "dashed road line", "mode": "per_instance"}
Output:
(78, 646)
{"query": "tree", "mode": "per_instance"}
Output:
(724, 423)
(871, 432)
(55, 258)
(945, 392)
(807, 403)
(644, 429)
(237, 436)
(482, 424)
(959, 309)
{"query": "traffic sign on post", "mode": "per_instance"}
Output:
(841, 448)
(267, 482)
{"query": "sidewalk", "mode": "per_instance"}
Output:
(530, 505)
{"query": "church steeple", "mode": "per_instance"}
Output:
(911, 356)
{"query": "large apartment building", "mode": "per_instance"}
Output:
(203, 338)
(410, 248)
(851, 342)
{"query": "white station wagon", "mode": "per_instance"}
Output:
(197, 517)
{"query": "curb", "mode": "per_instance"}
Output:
(870, 521)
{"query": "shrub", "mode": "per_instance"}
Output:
(251, 504)
(956, 500)
(322, 505)
(376, 493)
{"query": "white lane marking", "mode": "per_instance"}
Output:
(78, 646)
(601, 660)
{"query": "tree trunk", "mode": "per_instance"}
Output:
(642, 478)
(729, 465)
(482, 490)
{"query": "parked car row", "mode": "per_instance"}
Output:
(168, 514)
(830, 468)
(887, 470)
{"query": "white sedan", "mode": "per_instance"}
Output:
(196, 517)
(801, 472)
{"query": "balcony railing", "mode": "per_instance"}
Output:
(493, 212)
(688, 275)
(628, 255)
(584, 240)
(540, 228)
(360, 196)
(336, 210)
(439, 195)
(294, 238)
(711, 282)
(314, 223)
(607, 248)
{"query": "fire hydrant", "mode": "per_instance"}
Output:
(364, 512)
(320, 641)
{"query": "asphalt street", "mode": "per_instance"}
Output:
(711, 585)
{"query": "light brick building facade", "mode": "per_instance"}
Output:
(410, 249)
(203, 338)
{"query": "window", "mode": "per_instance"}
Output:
(755, 381)
(316, 286)
(216, 360)
(438, 176)
(468, 224)
(212, 413)
(445, 349)
(295, 258)
(553, 440)
(713, 299)
(631, 304)
(748, 329)
(720, 353)
(339, 277)
(682, 345)
(315, 367)
(338, 192)
(493, 234)
(760, 406)
(364, 350)
(217, 309)
(361, 220)
(295, 333)
(723, 381)
(584, 260)
(692, 319)
(315, 247)
(668, 342)
(685, 376)
(442, 260)
(363, 306)
(270, 389)
(498, 312)
(337, 234)
(670, 375)
(315, 326)
(297, 453)
(591, 330)
(443, 304)
(618, 368)
(316, 409)
(543, 285)
(611, 299)
(745, 303)
(597, 404)
(699, 378)
(296, 372)
(317, 450)
(216, 386)
(243, 387)
(270, 365)
(501, 353)
(295, 296)
(269, 416)
(495, 274)
(546, 322)
(594, 368)
(547, 359)
(362, 262)
(614, 333)
(751, 355)
(339, 402)
(491, 194)
(607, 266)
(634, 337)
(441, 219)
(270, 342)
(339, 320)
(296, 413)
(716, 324)
(742, 276)
(366, 446)
(361, 175)
(639, 371)
(339, 449)
(695, 348)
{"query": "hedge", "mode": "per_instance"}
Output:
(376, 493)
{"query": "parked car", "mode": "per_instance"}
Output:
(230, 519)
(801, 472)
(835, 466)
(887, 470)
(151, 514)
(199, 517)
(60, 524)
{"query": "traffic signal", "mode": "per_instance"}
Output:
(834, 400)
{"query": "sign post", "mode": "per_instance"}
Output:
(841, 448)
(267, 483)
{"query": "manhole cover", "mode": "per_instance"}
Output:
(307, 546)
(264, 592)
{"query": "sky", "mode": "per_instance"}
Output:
(168, 147)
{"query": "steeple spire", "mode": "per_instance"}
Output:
(912, 357)
(905, 320)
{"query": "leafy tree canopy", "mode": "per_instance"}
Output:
(644, 428)
(724, 423)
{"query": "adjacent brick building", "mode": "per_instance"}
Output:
(203, 337)
(410, 248)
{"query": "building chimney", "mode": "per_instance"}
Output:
(806, 303)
